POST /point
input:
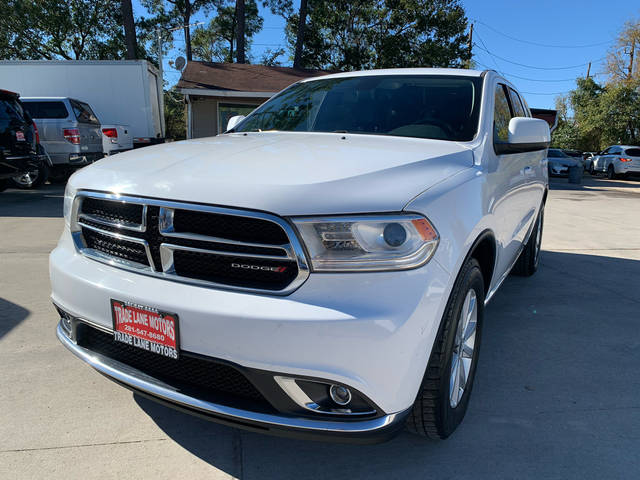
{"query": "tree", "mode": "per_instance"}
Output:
(175, 115)
(240, 31)
(623, 60)
(52, 29)
(215, 42)
(179, 15)
(129, 29)
(363, 34)
(302, 20)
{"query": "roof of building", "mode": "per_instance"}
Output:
(240, 77)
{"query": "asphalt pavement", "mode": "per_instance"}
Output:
(557, 393)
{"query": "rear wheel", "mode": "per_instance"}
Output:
(611, 173)
(33, 178)
(446, 387)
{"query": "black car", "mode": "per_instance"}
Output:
(18, 140)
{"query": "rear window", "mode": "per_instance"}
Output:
(83, 112)
(47, 109)
(633, 152)
(11, 110)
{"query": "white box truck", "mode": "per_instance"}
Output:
(121, 92)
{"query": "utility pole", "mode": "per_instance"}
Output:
(631, 53)
(470, 46)
(588, 69)
(160, 82)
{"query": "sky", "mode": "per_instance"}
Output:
(541, 46)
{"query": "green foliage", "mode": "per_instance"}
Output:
(603, 115)
(215, 42)
(363, 34)
(175, 115)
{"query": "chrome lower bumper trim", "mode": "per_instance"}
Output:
(139, 381)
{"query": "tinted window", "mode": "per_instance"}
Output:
(46, 109)
(518, 109)
(632, 152)
(501, 116)
(11, 110)
(83, 112)
(422, 106)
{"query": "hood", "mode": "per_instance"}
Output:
(284, 173)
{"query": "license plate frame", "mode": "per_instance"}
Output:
(146, 328)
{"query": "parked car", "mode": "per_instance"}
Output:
(18, 140)
(116, 139)
(559, 163)
(574, 154)
(587, 159)
(128, 92)
(69, 131)
(617, 161)
(322, 268)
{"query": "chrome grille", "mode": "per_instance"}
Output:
(191, 243)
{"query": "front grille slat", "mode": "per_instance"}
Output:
(206, 245)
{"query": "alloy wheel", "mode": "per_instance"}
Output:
(463, 348)
(28, 178)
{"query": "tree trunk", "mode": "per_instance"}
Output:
(302, 20)
(129, 29)
(240, 57)
(187, 30)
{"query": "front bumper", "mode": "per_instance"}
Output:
(372, 332)
(363, 431)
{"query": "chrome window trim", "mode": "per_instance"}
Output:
(294, 250)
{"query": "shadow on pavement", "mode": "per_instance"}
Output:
(556, 394)
(11, 315)
(594, 184)
(43, 202)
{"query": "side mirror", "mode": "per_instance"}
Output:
(233, 121)
(525, 135)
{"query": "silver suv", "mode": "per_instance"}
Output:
(69, 130)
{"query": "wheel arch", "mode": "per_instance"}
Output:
(484, 250)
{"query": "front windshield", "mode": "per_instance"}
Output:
(422, 106)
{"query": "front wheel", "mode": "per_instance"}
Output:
(446, 387)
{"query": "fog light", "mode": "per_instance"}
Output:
(66, 324)
(340, 395)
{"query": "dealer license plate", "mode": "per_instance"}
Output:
(146, 328)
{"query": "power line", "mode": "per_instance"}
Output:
(546, 45)
(535, 79)
(494, 60)
(533, 66)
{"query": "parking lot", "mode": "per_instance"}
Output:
(557, 393)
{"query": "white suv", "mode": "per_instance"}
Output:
(319, 269)
(617, 161)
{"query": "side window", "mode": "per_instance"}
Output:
(501, 116)
(616, 151)
(518, 108)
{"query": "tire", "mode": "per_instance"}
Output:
(437, 411)
(527, 263)
(611, 173)
(32, 179)
(591, 170)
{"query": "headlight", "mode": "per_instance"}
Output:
(67, 206)
(368, 242)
